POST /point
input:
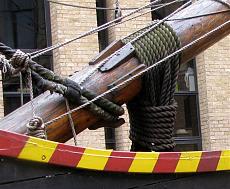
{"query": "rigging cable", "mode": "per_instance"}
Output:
(141, 72)
(92, 8)
(102, 27)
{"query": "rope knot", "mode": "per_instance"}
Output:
(20, 60)
(36, 128)
(5, 66)
(3, 62)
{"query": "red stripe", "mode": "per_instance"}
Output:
(11, 144)
(209, 161)
(120, 161)
(67, 155)
(167, 162)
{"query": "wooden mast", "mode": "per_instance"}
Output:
(50, 106)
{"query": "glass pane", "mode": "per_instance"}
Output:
(186, 78)
(45, 61)
(186, 118)
(13, 101)
(186, 147)
(24, 24)
(12, 84)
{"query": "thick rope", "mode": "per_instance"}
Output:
(36, 128)
(6, 68)
(106, 25)
(152, 113)
(137, 75)
(47, 80)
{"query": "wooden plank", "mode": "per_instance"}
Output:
(50, 106)
(26, 175)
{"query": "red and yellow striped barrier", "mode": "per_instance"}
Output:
(34, 149)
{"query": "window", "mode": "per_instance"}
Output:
(25, 25)
(187, 127)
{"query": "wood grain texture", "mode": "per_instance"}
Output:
(50, 106)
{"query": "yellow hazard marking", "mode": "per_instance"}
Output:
(38, 150)
(94, 159)
(224, 162)
(188, 162)
(144, 162)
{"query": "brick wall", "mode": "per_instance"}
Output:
(67, 23)
(213, 68)
(122, 133)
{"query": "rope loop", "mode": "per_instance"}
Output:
(20, 61)
(36, 128)
(153, 112)
(5, 66)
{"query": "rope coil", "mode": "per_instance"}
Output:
(36, 128)
(152, 113)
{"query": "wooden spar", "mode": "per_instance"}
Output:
(50, 106)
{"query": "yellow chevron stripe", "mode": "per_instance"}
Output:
(38, 150)
(144, 162)
(188, 162)
(224, 162)
(94, 159)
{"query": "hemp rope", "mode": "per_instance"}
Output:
(152, 113)
(177, 51)
(104, 26)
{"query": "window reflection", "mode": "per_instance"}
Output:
(186, 118)
(24, 24)
(186, 77)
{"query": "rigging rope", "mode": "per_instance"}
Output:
(145, 58)
(93, 8)
(71, 122)
(100, 28)
(152, 113)
(116, 22)
(140, 73)
(154, 109)
(46, 79)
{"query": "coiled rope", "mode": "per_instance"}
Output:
(152, 113)
(47, 80)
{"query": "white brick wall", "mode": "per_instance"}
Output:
(67, 23)
(122, 133)
(213, 67)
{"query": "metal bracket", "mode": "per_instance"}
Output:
(118, 58)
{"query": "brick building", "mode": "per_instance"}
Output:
(203, 91)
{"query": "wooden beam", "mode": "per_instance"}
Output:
(50, 106)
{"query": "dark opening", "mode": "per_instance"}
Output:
(110, 141)
(25, 24)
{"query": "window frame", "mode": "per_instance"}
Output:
(192, 139)
(11, 94)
